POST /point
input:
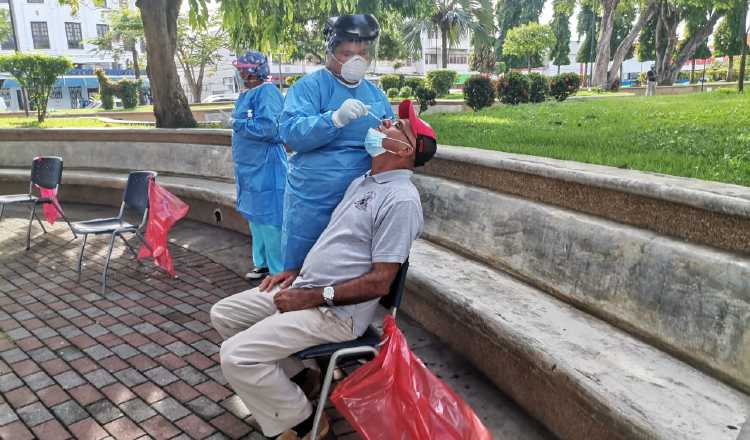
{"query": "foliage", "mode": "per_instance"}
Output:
(587, 26)
(563, 85)
(513, 13)
(388, 82)
(414, 82)
(425, 97)
(5, 30)
(441, 81)
(125, 28)
(392, 92)
(405, 92)
(560, 26)
(731, 31)
(452, 19)
(538, 87)
(625, 15)
(529, 40)
(484, 53)
(501, 67)
(700, 135)
(646, 47)
(36, 73)
(290, 80)
(513, 88)
(125, 89)
(479, 92)
(198, 49)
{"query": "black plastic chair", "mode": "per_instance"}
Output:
(134, 201)
(46, 172)
(363, 347)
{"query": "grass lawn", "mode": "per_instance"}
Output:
(62, 123)
(701, 135)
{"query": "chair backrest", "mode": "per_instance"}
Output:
(136, 191)
(392, 301)
(46, 171)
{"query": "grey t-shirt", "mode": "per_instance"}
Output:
(376, 222)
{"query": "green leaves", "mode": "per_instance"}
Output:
(528, 40)
(37, 73)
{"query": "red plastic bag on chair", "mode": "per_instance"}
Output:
(395, 397)
(50, 213)
(164, 210)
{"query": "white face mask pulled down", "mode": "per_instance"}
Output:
(354, 69)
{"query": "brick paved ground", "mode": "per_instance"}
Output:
(140, 361)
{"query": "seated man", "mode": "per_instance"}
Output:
(333, 299)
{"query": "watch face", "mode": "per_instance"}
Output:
(328, 293)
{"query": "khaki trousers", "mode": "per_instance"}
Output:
(255, 354)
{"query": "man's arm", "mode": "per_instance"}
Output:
(372, 285)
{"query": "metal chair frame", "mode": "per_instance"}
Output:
(39, 200)
(118, 231)
(336, 352)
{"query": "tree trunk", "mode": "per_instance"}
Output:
(171, 107)
(558, 69)
(666, 39)
(602, 49)
(528, 63)
(622, 50)
(692, 71)
(198, 91)
(444, 41)
(689, 48)
(730, 69)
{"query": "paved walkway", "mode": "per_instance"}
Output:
(141, 360)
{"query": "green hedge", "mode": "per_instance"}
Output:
(479, 92)
(414, 82)
(513, 88)
(538, 87)
(392, 92)
(563, 85)
(441, 81)
(405, 92)
(388, 82)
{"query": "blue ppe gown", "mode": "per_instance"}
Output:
(260, 169)
(326, 158)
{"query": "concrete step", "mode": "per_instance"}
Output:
(582, 377)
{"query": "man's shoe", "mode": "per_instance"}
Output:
(257, 273)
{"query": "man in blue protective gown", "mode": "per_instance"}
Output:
(326, 116)
(260, 162)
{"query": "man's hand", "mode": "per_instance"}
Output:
(281, 279)
(290, 300)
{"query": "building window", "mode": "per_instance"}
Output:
(431, 58)
(34, 1)
(39, 34)
(56, 93)
(75, 38)
(102, 30)
(457, 59)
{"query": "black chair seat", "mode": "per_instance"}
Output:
(370, 338)
(101, 226)
(17, 198)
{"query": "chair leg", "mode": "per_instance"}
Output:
(323, 397)
(135, 254)
(66, 219)
(143, 240)
(28, 232)
(80, 255)
(106, 263)
(40, 223)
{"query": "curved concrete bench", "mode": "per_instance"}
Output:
(569, 344)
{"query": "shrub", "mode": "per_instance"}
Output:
(478, 92)
(405, 92)
(37, 73)
(125, 89)
(392, 92)
(441, 81)
(513, 88)
(414, 82)
(563, 85)
(388, 82)
(425, 98)
(538, 87)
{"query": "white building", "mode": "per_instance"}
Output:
(631, 67)
(45, 26)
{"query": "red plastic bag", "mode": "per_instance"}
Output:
(50, 213)
(395, 397)
(164, 210)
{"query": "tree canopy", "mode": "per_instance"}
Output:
(36, 73)
(529, 40)
(5, 29)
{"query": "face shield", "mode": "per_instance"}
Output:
(352, 40)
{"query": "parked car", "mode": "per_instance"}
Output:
(224, 97)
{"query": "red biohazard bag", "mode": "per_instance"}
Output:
(395, 397)
(164, 210)
(50, 213)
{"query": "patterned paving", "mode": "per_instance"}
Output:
(138, 362)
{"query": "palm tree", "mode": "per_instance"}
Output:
(453, 19)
